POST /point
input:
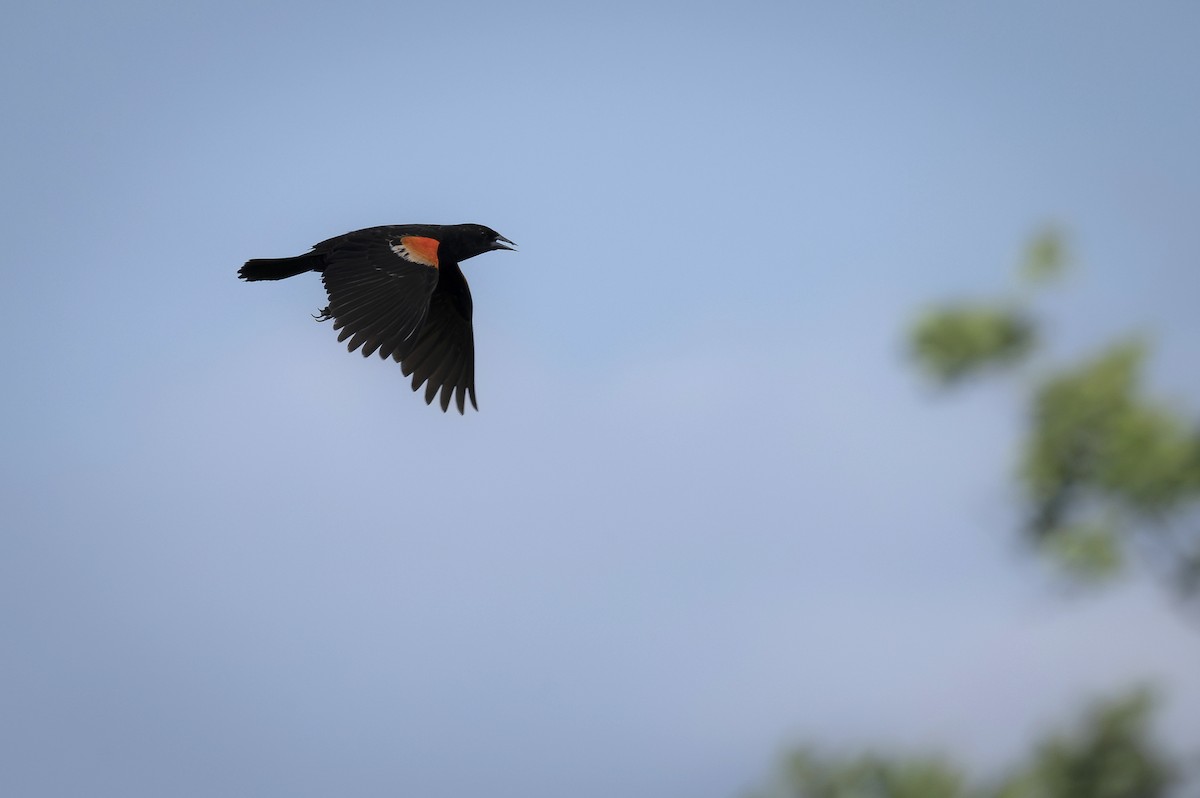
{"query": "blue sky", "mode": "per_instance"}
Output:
(705, 511)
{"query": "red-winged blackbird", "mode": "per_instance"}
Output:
(397, 290)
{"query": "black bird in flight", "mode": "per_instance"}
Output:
(397, 290)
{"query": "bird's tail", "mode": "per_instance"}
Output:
(279, 268)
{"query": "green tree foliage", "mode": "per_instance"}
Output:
(1109, 755)
(963, 339)
(1045, 257)
(1104, 465)
(1102, 461)
(954, 343)
(805, 774)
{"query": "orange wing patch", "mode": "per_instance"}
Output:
(418, 249)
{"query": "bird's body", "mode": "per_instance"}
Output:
(398, 290)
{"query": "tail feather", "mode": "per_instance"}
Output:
(279, 268)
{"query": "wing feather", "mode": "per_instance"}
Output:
(414, 313)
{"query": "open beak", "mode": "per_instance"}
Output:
(503, 243)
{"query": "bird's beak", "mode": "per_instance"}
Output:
(503, 243)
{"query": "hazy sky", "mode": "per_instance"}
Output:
(705, 510)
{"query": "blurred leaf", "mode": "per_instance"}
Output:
(1045, 258)
(1152, 459)
(1090, 551)
(1074, 415)
(953, 343)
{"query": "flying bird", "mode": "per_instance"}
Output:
(397, 290)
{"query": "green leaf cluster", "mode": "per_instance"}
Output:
(807, 775)
(955, 342)
(1045, 257)
(1102, 464)
(1096, 440)
(1111, 754)
(960, 340)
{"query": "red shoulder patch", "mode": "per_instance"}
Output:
(418, 249)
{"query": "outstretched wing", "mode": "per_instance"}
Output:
(443, 354)
(390, 294)
(379, 289)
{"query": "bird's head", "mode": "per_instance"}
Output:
(462, 241)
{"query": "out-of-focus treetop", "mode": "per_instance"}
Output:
(1110, 754)
(1105, 467)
